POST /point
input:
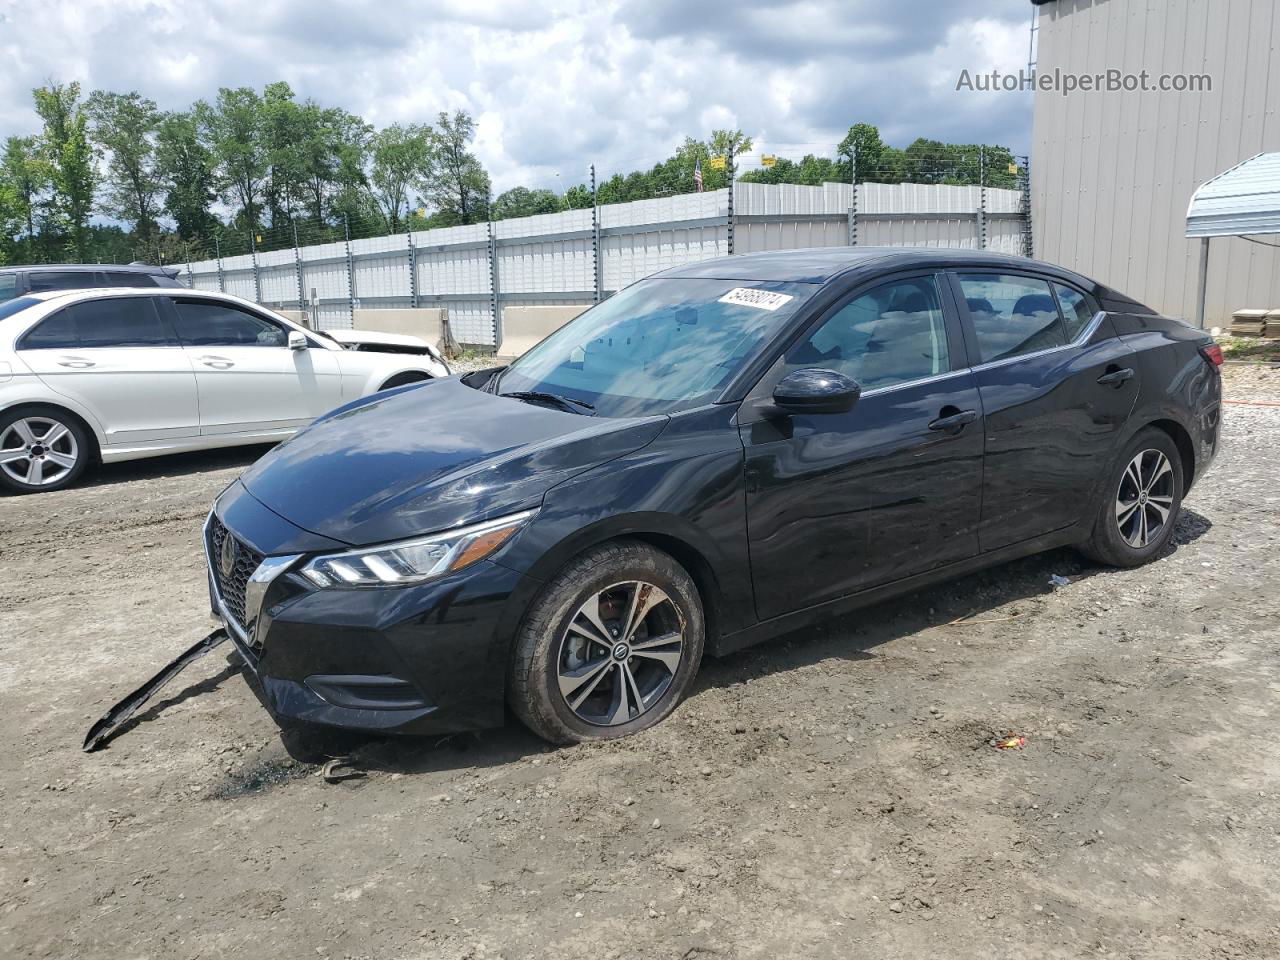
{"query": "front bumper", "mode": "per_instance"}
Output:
(420, 659)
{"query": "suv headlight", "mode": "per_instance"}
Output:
(413, 561)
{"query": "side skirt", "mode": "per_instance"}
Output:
(767, 629)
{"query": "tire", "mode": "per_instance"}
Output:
(403, 379)
(54, 464)
(553, 641)
(1146, 481)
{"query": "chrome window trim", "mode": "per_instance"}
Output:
(876, 391)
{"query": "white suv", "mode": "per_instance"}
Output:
(121, 373)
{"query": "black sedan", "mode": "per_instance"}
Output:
(714, 455)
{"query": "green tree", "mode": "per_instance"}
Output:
(457, 184)
(400, 158)
(185, 168)
(280, 128)
(523, 202)
(865, 138)
(232, 128)
(729, 143)
(25, 177)
(333, 148)
(124, 125)
(65, 149)
(578, 197)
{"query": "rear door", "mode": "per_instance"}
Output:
(249, 380)
(118, 357)
(1057, 387)
(838, 503)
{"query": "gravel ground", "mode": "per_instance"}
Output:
(830, 794)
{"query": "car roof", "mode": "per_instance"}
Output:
(145, 268)
(131, 292)
(820, 264)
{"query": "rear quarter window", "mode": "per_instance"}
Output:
(39, 281)
(123, 279)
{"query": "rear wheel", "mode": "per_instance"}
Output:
(609, 647)
(1140, 504)
(41, 449)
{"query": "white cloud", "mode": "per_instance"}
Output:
(554, 86)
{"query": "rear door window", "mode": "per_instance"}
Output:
(203, 323)
(1012, 315)
(110, 322)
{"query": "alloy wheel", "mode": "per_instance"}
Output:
(620, 653)
(38, 451)
(1144, 500)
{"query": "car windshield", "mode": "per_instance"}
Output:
(8, 286)
(658, 346)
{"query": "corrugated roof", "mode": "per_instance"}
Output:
(1244, 199)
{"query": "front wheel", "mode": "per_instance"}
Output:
(1140, 504)
(403, 380)
(609, 647)
(41, 449)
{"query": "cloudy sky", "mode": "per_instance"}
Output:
(553, 85)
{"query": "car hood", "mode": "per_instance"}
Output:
(429, 457)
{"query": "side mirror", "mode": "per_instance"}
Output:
(297, 340)
(816, 391)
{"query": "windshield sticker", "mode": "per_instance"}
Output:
(760, 299)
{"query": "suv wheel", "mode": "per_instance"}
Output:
(1140, 504)
(41, 449)
(609, 647)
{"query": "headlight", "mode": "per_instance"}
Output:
(413, 561)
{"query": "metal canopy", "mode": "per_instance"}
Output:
(1242, 200)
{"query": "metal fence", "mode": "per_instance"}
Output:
(580, 256)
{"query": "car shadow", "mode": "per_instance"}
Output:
(851, 637)
(173, 465)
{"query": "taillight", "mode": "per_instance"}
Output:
(1213, 353)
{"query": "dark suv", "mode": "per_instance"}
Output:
(16, 281)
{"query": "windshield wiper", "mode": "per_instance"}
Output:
(537, 396)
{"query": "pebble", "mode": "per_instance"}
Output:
(705, 771)
(657, 824)
(895, 907)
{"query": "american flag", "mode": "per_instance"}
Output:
(697, 174)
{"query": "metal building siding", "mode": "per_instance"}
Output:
(1112, 173)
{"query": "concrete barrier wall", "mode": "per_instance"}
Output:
(424, 322)
(522, 327)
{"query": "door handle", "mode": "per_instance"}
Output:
(1116, 378)
(954, 421)
(218, 363)
(78, 363)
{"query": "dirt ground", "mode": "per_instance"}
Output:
(830, 794)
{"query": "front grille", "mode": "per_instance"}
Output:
(231, 586)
